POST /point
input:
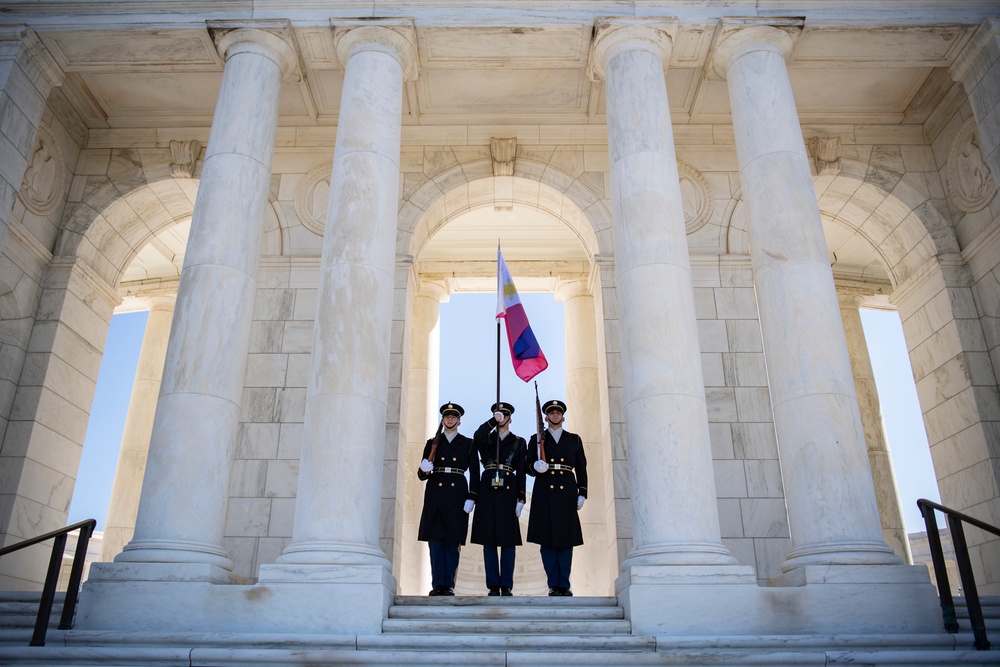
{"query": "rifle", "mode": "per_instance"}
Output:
(538, 425)
(434, 443)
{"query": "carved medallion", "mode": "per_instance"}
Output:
(312, 198)
(45, 178)
(696, 196)
(970, 181)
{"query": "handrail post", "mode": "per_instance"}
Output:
(968, 584)
(75, 575)
(940, 569)
(48, 591)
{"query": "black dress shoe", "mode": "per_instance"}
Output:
(494, 592)
(553, 592)
(435, 591)
(567, 592)
(447, 591)
(506, 592)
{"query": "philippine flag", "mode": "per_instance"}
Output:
(524, 350)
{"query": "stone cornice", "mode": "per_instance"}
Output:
(74, 14)
(965, 69)
(45, 73)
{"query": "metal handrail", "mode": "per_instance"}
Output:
(971, 594)
(86, 529)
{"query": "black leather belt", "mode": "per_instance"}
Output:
(457, 471)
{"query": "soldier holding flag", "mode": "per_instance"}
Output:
(501, 499)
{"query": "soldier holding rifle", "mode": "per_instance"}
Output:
(556, 460)
(448, 496)
(501, 500)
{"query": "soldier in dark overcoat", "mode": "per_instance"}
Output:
(448, 496)
(501, 498)
(559, 492)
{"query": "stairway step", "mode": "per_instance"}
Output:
(513, 601)
(508, 613)
(509, 642)
(505, 627)
(219, 657)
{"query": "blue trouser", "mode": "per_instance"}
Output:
(444, 563)
(499, 572)
(557, 564)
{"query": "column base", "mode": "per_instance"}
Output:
(174, 551)
(188, 572)
(333, 553)
(708, 601)
(304, 600)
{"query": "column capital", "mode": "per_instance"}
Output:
(433, 289)
(393, 37)
(965, 67)
(37, 62)
(738, 37)
(618, 34)
(570, 289)
(271, 39)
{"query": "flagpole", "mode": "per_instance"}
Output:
(498, 323)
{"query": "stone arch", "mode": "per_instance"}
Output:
(580, 202)
(896, 216)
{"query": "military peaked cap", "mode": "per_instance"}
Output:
(452, 409)
(554, 405)
(506, 408)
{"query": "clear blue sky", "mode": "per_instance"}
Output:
(468, 377)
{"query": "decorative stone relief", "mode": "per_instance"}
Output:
(503, 151)
(825, 152)
(970, 181)
(45, 178)
(696, 197)
(312, 198)
(184, 156)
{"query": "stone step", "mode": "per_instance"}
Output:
(513, 601)
(509, 612)
(243, 657)
(504, 627)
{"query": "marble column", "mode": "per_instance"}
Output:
(832, 512)
(27, 75)
(421, 423)
(583, 417)
(674, 512)
(131, 466)
(879, 458)
(183, 504)
(340, 479)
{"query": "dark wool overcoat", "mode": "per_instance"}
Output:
(554, 520)
(494, 522)
(443, 516)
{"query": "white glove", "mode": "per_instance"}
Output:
(469, 504)
(517, 509)
(541, 466)
(579, 502)
(426, 465)
(498, 416)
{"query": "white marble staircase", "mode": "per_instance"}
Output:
(515, 631)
